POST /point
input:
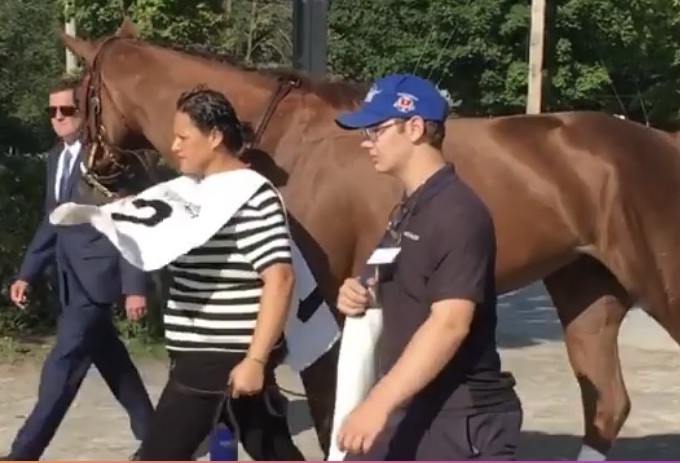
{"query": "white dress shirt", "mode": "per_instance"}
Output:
(74, 148)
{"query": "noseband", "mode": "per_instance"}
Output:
(105, 162)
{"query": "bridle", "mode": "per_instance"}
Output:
(105, 162)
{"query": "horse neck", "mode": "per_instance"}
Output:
(249, 92)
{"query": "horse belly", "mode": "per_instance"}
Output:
(530, 249)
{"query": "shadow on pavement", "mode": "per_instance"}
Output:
(299, 419)
(536, 445)
(656, 447)
(527, 317)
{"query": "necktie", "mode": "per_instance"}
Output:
(65, 173)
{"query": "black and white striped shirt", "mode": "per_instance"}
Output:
(216, 288)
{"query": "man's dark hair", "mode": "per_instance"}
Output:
(66, 82)
(208, 110)
(435, 133)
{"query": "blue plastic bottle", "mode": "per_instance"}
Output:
(223, 446)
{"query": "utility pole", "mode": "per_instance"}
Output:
(536, 47)
(310, 24)
(70, 29)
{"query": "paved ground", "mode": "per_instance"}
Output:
(96, 429)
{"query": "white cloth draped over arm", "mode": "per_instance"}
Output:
(356, 371)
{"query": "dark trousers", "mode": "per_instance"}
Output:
(85, 336)
(481, 436)
(184, 418)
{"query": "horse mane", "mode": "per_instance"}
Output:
(334, 92)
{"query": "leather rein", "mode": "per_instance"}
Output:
(106, 162)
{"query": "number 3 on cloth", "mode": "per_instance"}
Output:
(161, 211)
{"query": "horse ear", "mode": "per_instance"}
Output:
(127, 29)
(81, 48)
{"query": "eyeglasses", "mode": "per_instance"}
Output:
(399, 217)
(67, 111)
(372, 133)
(401, 214)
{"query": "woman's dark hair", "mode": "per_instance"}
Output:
(208, 110)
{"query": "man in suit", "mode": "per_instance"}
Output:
(92, 276)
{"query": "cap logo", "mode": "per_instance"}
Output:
(405, 103)
(371, 94)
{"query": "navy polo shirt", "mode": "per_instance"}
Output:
(448, 251)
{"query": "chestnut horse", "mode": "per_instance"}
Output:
(586, 202)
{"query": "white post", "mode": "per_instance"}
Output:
(70, 29)
(536, 57)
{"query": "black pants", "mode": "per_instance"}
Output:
(482, 436)
(183, 419)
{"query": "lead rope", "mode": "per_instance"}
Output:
(226, 405)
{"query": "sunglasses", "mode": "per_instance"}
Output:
(67, 111)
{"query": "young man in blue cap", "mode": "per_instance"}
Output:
(441, 393)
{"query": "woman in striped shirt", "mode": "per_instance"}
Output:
(228, 302)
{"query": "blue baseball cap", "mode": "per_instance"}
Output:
(397, 96)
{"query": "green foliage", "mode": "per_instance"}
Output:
(22, 180)
(469, 48)
(253, 31)
(29, 61)
(617, 56)
(600, 54)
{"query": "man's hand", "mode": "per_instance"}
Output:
(353, 297)
(17, 293)
(135, 307)
(362, 427)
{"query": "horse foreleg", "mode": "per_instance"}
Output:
(319, 383)
(591, 305)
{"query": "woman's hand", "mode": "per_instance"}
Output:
(247, 378)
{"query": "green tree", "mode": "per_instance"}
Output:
(22, 189)
(600, 54)
(30, 61)
(619, 57)
(469, 48)
(254, 31)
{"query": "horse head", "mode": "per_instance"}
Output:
(118, 160)
(130, 87)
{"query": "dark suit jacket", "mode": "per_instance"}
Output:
(87, 262)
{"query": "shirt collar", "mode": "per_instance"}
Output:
(73, 147)
(433, 185)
